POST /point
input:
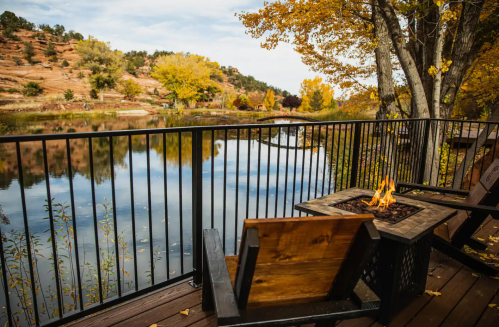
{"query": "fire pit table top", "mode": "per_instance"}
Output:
(406, 231)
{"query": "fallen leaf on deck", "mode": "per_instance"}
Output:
(185, 312)
(439, 277)
(432, 293)
(475, 275)
(492, 305)
(496, 278)
(480, 239)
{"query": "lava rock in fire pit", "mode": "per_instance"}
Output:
(395, 213)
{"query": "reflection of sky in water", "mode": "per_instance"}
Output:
(36, 196)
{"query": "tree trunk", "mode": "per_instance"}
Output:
(420, 103)
(386, 91)
(469, 156)
(102, 94)
(436, 129)
(465, 37)
(437, 62)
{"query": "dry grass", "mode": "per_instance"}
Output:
(18, 105)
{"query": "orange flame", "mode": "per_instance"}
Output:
(388, 199)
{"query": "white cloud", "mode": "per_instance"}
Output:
(208, 28)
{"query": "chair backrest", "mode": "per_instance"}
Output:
(484, 192)
(299, 258)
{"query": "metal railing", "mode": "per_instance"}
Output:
(185, 179)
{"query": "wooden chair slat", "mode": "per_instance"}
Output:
(299, 257)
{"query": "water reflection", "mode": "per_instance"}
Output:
(256, 172)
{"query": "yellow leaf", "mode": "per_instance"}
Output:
(142, 250)
(480, 239)
(432, 293)
(154, 325)
(185, 312)
(492, 305)
(475, 275)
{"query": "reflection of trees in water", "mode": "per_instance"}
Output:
(32, 156)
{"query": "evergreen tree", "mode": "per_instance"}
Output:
(317, 101)
(68, 94)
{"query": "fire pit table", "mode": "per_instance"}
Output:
(397, 272)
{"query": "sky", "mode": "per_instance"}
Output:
(207, 28)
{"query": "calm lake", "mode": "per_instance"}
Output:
(257, 187)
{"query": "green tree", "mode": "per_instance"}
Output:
(68, 94)
(276, 106)
(9, 19)
(17, 61)
(156, 92)
(50, 51)
(101, 83)
(32, 89)
(106, 64)
(317, 101)
(53, 58)
(65, 63)
(59, 30)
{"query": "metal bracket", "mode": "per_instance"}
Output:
(194, 284)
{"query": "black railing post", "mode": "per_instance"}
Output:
(355, 156)
(197, 207)
(424, 152)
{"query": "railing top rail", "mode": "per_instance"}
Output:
(65, 136)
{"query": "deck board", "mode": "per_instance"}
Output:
(464, 301)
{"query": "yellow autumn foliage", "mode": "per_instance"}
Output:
(307, 89)
(269, 100)
(184, 75)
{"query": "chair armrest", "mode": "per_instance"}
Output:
(219, 279)
(430, 188)
(493, 211)
(364, 297)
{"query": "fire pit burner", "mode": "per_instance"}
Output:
(392, 215)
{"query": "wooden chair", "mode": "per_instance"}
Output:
(291, 271)
(481, 202)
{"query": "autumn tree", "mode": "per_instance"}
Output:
(269, 100)
(106, 64)
(129, 88)
(291, 102)
(184, 75)
(427, 37)
(228, 95)
(307, 90)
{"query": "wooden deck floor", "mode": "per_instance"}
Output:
(464, 301)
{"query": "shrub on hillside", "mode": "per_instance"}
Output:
(80, 75)
(11, 90)
(32, 89)
(68, 95)
(8, 33)
(156, 92)
(28, 51)
(17, 61)
(93, 94)
(65, 63)
(53, 58)
(50, 51)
